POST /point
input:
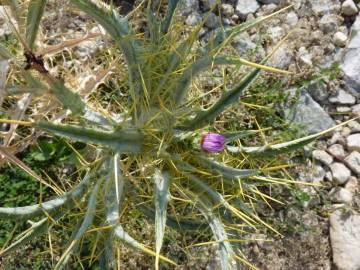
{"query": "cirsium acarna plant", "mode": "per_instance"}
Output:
(150, 149)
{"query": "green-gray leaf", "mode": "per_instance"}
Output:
(35, 12)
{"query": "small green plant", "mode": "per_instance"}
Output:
(154, 152)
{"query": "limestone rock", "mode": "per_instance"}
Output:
(306, 112)
(340, 172)
(337, 151)
(353, 142)
(246, 7)
(340, 39)
(349, 8)
(345, 240)
(321, 7)
(343, 98)
(322, 156)
(353, 161)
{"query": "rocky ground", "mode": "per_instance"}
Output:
(325, 34)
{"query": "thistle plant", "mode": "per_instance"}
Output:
(160, 147)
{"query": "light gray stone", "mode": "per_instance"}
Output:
(292, 18)
(353, 162)
(243, 43)
(329, 23)
(341, 195)
(343, 98)
(349, 8)
(321, 7)
(227, 10)
(188, 6)
(275, 33)
(340, 39)
(193, 19)
(322, 156)
(356, 108)
(352, 185)
(307, 112)
(282, 57)
(353, 142)
(318, 90)
(208, 4)
(345, 240)
(246, 7)
(340, 173)
(212, 21)
(305, 58)
(337, 151)
(350, 64)
(354, 126)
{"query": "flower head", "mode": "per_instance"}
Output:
(212, 142)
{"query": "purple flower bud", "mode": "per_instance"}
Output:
(212, 142)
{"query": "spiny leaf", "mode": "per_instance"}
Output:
(224, 170)
(68, 98)
(35, 12)
(175, 222)
(206, 62)
(165, 24)
(86, 223)
(4, 53)
(64, 202)
(162, 180)
(124, 237)
(227, 259)
(232, 136)
(126, 140)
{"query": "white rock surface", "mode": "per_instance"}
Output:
(345, 240)
(349, 8)
(337, 151)
(193, 19)
(353, 142)
(340, 173)
(353, 162)
(350, 65)
(291, 18)
(343, 98)
(340, 39)
(227, 10)
(246, 7)
(322, 156)
(321, 7)
(341, 195)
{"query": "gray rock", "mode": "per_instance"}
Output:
(343, 98)
(208, 4)
(340, 173)
(329, 23)
(193, 19)
(353, 162)
(341, 195)
(282, 57)
(350, 65)
(307, 112)
(345, 240)
(275, 33)
(291, 18)
(356, 108)
(343, 109)
(337, 151)
(243, 43)
(353, 142)
(354, 126)
(212, 21)
(322, 156)
(246, 7)
(305, 58)
(340, 39)
(227, 10)
(321, 7)
(349, 8)
(352, 185)
(188, 6)
(318, 90)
